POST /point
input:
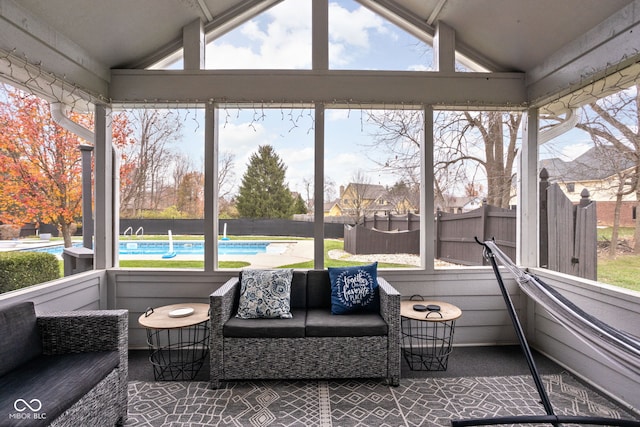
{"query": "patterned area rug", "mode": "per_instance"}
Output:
(416, 402)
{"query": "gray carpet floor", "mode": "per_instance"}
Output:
(479, 382)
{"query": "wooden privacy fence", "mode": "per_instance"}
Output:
(456, 233)
(568, 233)
(392, 222)
(384, 234)
(363, 241)
(568, 238)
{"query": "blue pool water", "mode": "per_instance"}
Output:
(180, 247)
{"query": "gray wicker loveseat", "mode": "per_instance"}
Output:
(63, 369)
(313, 344)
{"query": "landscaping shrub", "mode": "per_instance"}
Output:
(8, 232)
(22, 269)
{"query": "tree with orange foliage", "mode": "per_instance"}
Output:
(40, 163)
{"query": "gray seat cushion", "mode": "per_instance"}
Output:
(19, 337)
(266, 328)
(321, 323)
(57, 382)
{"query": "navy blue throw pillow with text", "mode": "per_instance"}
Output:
(354, 289)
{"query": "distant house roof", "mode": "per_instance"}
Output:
(367, 191)
(328, 205)
(452, 203)
(598, 163)
(460, 201)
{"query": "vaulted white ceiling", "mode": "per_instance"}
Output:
(516, 35)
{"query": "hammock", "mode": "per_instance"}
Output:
(619, 347)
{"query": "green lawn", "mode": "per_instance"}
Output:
(624, 271)
(623, 233)
(160, 263)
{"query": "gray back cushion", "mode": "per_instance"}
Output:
(299, 290)
(19, 337)
(318, 289)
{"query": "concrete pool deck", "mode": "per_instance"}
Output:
(296, 251)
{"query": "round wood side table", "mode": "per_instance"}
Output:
(178, 339)
(427, 333)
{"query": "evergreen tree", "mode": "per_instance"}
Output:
(299, 206)
(263, 192)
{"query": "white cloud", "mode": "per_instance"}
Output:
(420, 67)
(279, 38)
(352, 27)
(567, 146)
(292, 11)
(242, 140)
(340, 168)
(350, 32)
(335, 115)
(242, 131)
(300, 166)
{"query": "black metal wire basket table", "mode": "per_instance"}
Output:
(178, 339)
(427, 333)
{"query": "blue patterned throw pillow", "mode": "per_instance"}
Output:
(265, 294)
(354, 289)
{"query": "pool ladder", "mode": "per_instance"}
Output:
(139, 232)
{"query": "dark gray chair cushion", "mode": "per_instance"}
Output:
(318, 289)
(57, 382)
(321, 323)
(19, 337)
(266, 328)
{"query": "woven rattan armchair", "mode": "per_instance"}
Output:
(70, 367)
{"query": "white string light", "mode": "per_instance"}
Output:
(33, 78)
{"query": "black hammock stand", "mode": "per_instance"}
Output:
(550, 417)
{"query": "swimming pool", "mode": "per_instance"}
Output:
(180, 247)
(185, 247)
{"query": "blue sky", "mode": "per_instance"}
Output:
(281, 38)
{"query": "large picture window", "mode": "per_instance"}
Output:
(265, 186)
(162, 188)
(372, 186)
(590, 180)
(475, 159)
